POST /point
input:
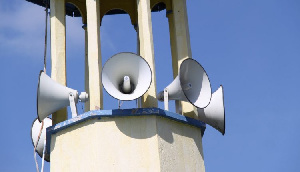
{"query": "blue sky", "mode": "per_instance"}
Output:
(251, 47)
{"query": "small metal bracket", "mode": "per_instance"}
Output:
(139, 102)
(73, 105)
(120, 102)
(166, 99)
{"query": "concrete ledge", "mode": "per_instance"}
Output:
(121, 113)
(144, 139)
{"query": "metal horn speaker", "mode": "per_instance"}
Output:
(214, 113)
(52, 96)
(35, 130)
(126, 76)
(191, 85)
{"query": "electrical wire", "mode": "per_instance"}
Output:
(45, 63)
(46, 28)
(36, 164)
(35, 145)
(43, 161)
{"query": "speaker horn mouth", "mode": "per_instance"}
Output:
(214, 113)
(195, 83)
(47, 156)
(126, 65)
(223, 132)
(37, 95)
(53, 96)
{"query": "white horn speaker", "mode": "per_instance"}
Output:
(214, 113)
(126, 76)
(52, 96)
(191, 84)
(35, 130)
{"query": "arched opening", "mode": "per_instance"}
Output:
(117, 35)
(160, 6)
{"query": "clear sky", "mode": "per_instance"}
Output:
(251, 47)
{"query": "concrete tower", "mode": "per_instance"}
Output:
(142, 139)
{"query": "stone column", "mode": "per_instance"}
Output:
(180, 47)
(58, 50)
(94, 54)
(170, 17)
(146, 48)
(86, 68)
(139, 100)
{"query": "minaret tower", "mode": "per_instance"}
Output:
(139, 139)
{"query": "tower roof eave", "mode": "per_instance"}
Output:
(71, 10)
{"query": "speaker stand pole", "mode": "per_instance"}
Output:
(166, 99)
(72, 105)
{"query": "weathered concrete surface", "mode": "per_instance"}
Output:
(129, 143)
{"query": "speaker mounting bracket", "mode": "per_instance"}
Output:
(166, 99)
(72, 105)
